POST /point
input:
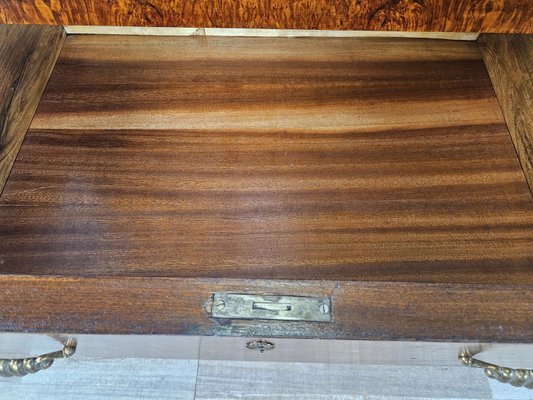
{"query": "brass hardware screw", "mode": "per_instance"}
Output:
(220, 304)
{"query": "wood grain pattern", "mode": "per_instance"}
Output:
(27, 56)
(501, 16)
(387, 15)
(361, 310)
(349, 159)
(509, 60)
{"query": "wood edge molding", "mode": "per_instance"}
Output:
(174, 306)
(509, 61)
(249, 32)
(28, 54)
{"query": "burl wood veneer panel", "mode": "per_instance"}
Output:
(346, 159)
(381, 15)
(27, 56)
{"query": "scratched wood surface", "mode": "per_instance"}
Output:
(347, 159)
(27, 56)
(384, 15)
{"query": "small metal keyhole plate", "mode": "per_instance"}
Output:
(260, 345)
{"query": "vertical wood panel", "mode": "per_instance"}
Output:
(27, 57)
(509, 60)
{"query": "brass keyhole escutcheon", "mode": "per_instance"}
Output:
(260, 345)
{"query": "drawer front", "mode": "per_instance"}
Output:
(14, 345)
(193, 367)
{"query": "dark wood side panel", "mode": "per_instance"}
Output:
(386, 15)
(27, 57)
(378, 310)
(509, 60)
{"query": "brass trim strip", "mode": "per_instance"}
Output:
(251, 32)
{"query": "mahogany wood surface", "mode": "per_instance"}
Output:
(381, 15)
(343, 159)
(509, 60)
(27, 56)
(361, 310)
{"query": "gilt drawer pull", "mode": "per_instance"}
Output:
(25, 366)
(515, 377)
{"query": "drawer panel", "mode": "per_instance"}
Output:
(154, 366)
(360, 352)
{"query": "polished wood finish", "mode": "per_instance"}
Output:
(313, 167)
(345, 159)
(386, 15)
(361, 310)
(27, 56)
(509, 60)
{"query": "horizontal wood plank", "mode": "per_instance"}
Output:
(384, 15)
(361, 310)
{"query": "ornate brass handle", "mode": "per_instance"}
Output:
(515, 377)
(25, 366)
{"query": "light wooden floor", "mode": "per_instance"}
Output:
(189, 379)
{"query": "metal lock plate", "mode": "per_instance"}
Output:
(287, 308)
